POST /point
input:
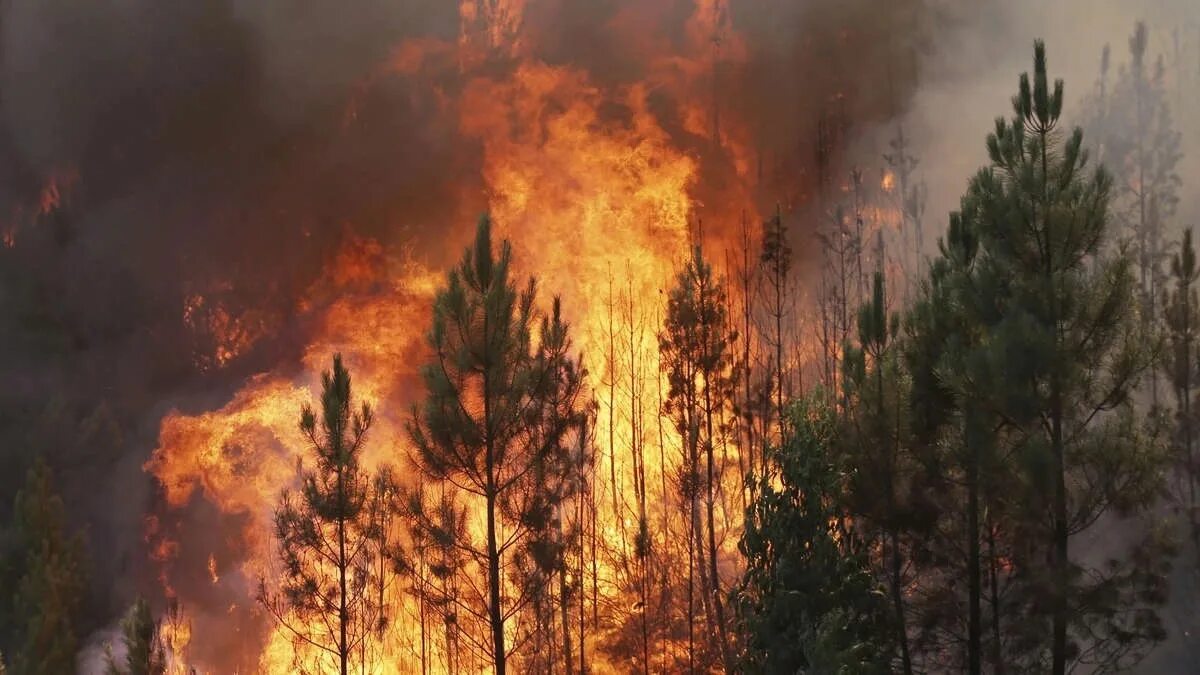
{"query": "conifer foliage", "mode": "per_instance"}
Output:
(1182, 364)
(501, 410)
(329, 536)
(42, 574)
(697, 354)
(1064, 354)
(145, 653)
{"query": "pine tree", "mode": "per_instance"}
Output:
(807, 601)
(1137, 141)
(776, 260)
(555, 478)
(911, 197)
(1182, 363)
(144, 650)
(437, 526)
(697, 352)
(46, 567)
(953, 433)
(876, 434)
(1065, 353)
(327, 537)
(499, 408)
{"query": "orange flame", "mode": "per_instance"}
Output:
(595, 195)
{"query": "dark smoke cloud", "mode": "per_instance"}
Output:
(211, 152)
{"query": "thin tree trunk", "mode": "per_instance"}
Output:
(974, 585)
(1060, 537)
(997, 644)
(712, 537)
(564, 612)
(897, 565)
(495, 615)
(343, 612)
(1185, 406)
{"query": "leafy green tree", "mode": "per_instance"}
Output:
(808, 601)
(328, 538)
(498, 408)
(144, 650)
(1066, 353)
(46, 567)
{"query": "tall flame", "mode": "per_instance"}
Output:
(599, 200)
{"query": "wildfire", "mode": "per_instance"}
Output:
(888, 182)
(597, 197)
(52, 197)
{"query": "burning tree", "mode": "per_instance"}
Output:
(330, 539)
(697, 355)
(494, 430)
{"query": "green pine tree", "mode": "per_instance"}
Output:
(499, 407)
(1063, 354)
(876, 438)
(696, 347)
(48, 566)
(1136, 140)
(1182, 363)
(328, 536)
(556, 478)
(808, 601)
(144, 650)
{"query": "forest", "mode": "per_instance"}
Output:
(672, 404)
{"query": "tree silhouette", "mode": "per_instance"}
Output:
(330, 537)
(500, 408)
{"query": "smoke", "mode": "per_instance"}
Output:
(228, 149)
(968, 79)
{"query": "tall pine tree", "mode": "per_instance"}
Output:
(145, 653)
(1136, 139)
(697, 352)
(499, 408)
(43, 570)
(876, 434)
(328, 537)
(1066, 353)
(1182, 311)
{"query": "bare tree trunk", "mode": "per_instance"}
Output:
(997, 644)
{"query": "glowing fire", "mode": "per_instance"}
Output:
(52, 197)
(597, 199)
